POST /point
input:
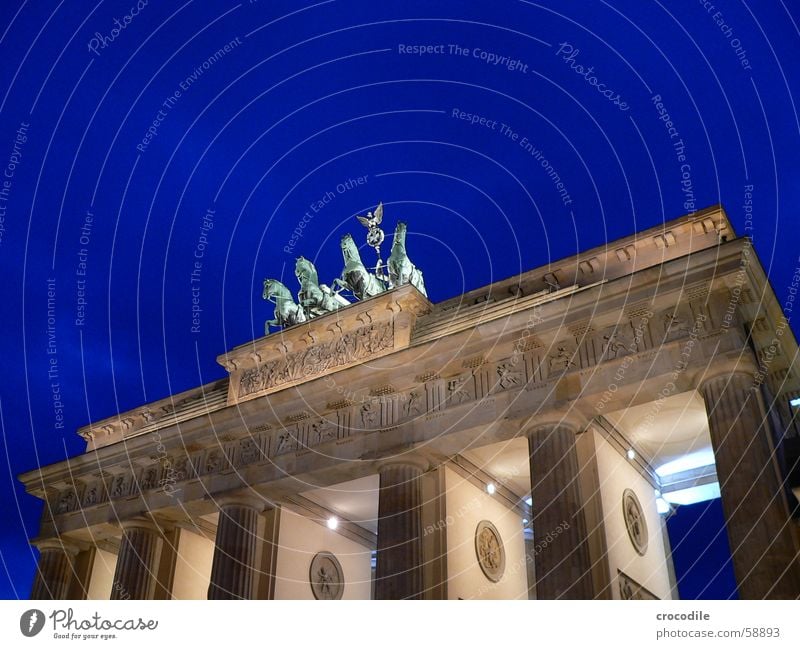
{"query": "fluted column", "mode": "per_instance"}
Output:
(563, 567)
(55, 569)
(765, 560)
(398, 571)
(233, 568)
(137, 563)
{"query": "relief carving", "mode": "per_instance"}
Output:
(675, 325)
(91, 497)
(287, 440)
(248, 452)
(326, 576)
(370, 411)
(630, 589)
(323, 430)
(619, 341)
(67, 501)
(635, 521)
(490, 551)
(348, 348)
(149, 478)
(509, 375)
(412, 406)
(561, 359)
(458, 389)
(214, 462)
(118, 486)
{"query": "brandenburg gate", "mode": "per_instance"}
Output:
(521, 440)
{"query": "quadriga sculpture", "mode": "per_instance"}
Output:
(401, 270)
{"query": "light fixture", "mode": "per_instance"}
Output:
(529, 502)
(333, 523)
(524, 521)
(490, 488)
(631, 454)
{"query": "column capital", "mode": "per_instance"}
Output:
(572, 419)
(406, 460)
(140, 523)
(66, 546)
(725, 368)
(250, 500)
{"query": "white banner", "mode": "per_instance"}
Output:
(353, 625)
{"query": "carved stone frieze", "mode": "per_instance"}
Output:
(350, 347)
(428, 398)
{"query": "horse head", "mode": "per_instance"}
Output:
(350, 250)
(400, 236)
(305, 270)
(274, 288)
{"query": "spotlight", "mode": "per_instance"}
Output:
(631, 454)
(333, 523)
(490, 488)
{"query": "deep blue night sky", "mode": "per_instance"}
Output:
(307, 97)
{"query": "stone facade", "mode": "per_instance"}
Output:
(396, 387)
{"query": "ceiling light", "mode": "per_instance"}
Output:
(490, 488)
(631, 454)
(333, 523)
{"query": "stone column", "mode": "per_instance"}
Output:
(234, 565)
(137, 562)
(765, 560)
(398, 571)
(563, 566)
(55, 569)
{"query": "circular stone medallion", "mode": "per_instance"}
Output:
(634, 521)
(326, 576)
(490, 551)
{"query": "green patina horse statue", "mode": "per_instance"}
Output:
(401, 270)
(287, 312)
(315, 298)
(355, 276)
